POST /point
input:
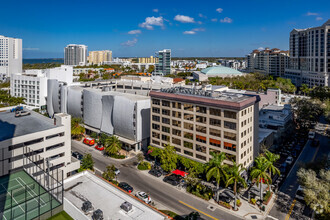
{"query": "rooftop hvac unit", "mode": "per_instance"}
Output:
(87, 206)
(126, 206)
(97, 215)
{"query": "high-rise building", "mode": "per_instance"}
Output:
(150, 59)
(269, 61)
(99, 57)
(197, 123)
(310, 56)
(163, 67)
(75, 55)
(10, 56)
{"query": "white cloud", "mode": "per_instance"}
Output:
(130, 43)
(134, 32)
(319, 18)
(219, 10)
(226, 20)
(29, 49)
(194, 31)
(312, 14)
(189, 32)
(261, 48)
(184, 19)
(152, 21)
(214, 19)
(155, 10)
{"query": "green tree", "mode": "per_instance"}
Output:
(151, 69)
(234, 176)
(259, 173)
(272, 158)
(109, 173)
(112, 145)
(304, 88)
(168, 158)
(140, 157)
(320, 92)
(87, 163)
(217, 169)
(76, 129)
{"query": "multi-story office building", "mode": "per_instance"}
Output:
(75, 55)
(100, 57)
(48, 138)
(150, 59)
(163, 67)
(269, 61)
(10, 56)
(197, 123)
(32, 85)
(310, 56)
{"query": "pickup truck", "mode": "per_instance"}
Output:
(22, 113)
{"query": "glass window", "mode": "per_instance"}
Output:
(177, 149)
(176, 114)
(188, 153)
(156, 101)
(165, 138)
(200, 109)
(200, 157)
(155, 110)
(189, 117)
(176, 132)
(155, 135)
(229, 125)
(229, 135)
(201, 148)
(176, 123)
(187, 144)
(201, 139)
(156, 118)
(155, 142)
(215, 143)
(215, 151)
(188, 107)
(201, 129)
(166, 120)
(155, 126)
(176, 141)
(188, 126)
(176, 105)
(215, 132)
(165, 103)
(229, 114)
(214, 111)
(188, 135)
(200, 119)
(215, 122)
(166, 112)
(166, 129)
(229, 146)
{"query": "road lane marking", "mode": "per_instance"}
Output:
(198, 210)
(290, 211)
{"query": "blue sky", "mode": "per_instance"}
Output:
(189, 28)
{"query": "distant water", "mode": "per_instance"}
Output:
(49, 60)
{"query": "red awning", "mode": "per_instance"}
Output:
(180, 172)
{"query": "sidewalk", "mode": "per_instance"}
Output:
(245, 211)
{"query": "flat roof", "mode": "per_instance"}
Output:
(106, 197)
(10, 126)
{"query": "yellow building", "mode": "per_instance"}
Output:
(150, 59)
(98, 57)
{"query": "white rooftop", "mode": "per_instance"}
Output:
(106, 197)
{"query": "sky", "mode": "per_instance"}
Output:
(131, 28)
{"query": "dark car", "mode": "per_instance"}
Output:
(77, 155)
(125, 187)
(173, 179)
(155, 172)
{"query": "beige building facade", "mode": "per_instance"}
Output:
(150, 59)
(99, 57)
(197, 125)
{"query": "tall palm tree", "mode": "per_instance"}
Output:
(259, 173)
(217, 169)
(234, 177)
(272, 158)
(112, 145)
(76, 128)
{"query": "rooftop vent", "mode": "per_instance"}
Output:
(126, 206)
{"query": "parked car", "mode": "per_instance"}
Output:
(300, 193)
(155, 172)
(117, 171)
(289, 160)
(125, 187)
(77, 155)
(143, 196)
(311, 135)
(22, 113)
(172, 179)
(89, 141)
(18, 108)
(99, 147)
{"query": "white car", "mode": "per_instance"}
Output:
(289, 160)
(117, 171)
(143, 196)
(300, 193)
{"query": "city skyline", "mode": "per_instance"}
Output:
(209, 30)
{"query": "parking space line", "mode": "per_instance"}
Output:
(198, 210)
(290, 211)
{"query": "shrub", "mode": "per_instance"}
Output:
(117, 156)
(253, 201)
(268, 194)
(144, 166)
(225, 204)
(238, 202)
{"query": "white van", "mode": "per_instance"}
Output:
(311, 135)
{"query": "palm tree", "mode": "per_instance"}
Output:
(234, 177)
(259, 172)
(112, 145)
(76, 128)
(272, 158)
(217, 169)
(109, 173)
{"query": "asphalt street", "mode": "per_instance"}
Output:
(160, 192)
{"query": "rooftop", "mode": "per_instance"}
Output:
(220, 70)
(106, 197)
(10, 126)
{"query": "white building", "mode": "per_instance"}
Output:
(75, 55)
(310, 56)
(32, 85)
(48, 138)
(10, 56)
